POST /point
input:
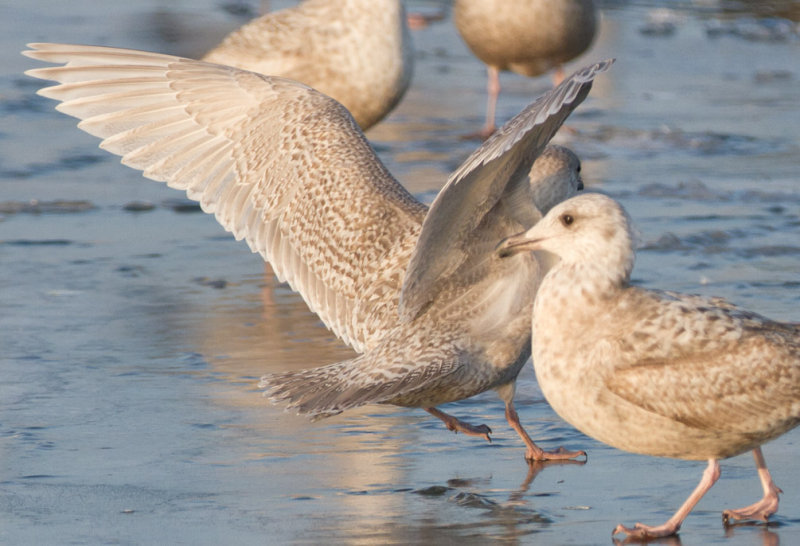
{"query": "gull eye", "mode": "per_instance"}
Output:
(579, 168)
(567, 219)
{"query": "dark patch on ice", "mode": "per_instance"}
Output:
(649, 142)
(139, 206)
(692, 189)
(38, 242)
(696, 190)
(131, 271)
(666, 243)
(433, 491)
(770, 251)
(239, 8)
(212, 283)
(773, 76)
(181, 205)
(34, 206)
(71, 162)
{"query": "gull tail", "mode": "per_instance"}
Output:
(328, 390)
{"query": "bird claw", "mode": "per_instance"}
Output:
(559, 454)
(456, 425)
(759, 511)
(641, 531)
(481, 430)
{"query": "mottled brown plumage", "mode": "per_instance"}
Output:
(437, 316)
(357, 51)
(654, 372)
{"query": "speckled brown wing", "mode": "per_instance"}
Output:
(723, 369)
(493, 172)
(279, 165)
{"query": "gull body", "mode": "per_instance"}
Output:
(420, 293)
(357, 51)
(657, 373)
(528, 37)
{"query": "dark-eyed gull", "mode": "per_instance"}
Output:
(357, 51)
(529, 37)
(437, 316)
(654, 372)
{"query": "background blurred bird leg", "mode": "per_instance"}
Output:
(493, 91)
(559, 75)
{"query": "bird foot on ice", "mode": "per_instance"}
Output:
(646, 532)
(559, 454)
(760, 511)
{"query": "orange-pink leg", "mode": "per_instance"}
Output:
(454, 424)
(768, 505)
(640, 531)
(559, 75)
(492, 91)
(534, 452)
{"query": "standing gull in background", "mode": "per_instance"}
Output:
(437, 315)
(654, 372)
(357, 51)
(529, 37)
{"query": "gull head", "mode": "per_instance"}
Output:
(590, 229)
(554, 177)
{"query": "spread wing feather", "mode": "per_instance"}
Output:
(279, 165)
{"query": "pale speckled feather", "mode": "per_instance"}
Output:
(475, 188)
(700, 364)
(250, 149)
(357, 51)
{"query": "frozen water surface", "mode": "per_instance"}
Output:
(133, 330)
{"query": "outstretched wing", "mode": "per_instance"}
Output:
(492, 172)
(280, 165)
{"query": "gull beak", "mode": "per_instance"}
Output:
(580, 183)
(516, 244)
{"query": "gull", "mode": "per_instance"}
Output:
(357, 51)
(436, 316)
(529, 37)
(652, 372)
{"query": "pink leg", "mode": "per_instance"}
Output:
(639, 531)
(559, 75)
(457, 426)
(534, 452)
(493, 91)
(768, 505)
